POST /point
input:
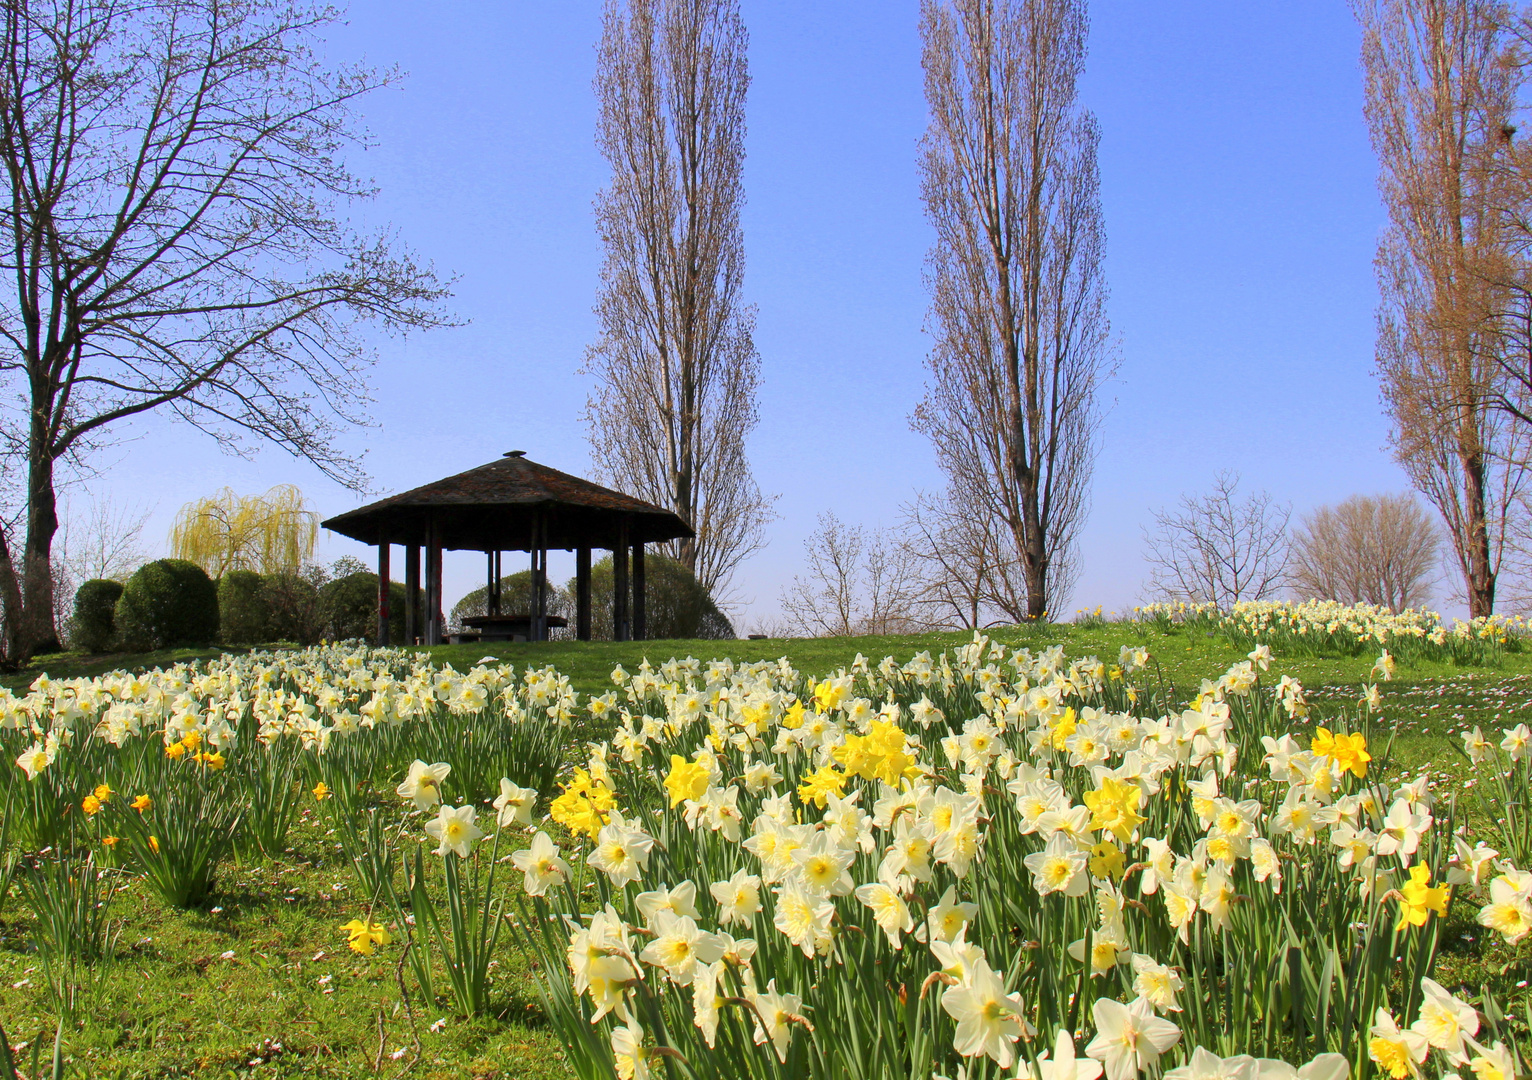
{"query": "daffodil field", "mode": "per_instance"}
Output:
(989, 862)
(1313, 627)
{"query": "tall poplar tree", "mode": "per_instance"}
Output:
(1441, 91)
(675, 366)
(1018, 293)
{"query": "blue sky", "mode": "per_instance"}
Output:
(1241, 216)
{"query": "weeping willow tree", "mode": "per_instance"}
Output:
(271, 533)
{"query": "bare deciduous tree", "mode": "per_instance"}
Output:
(676, 368)
(855, 582)
(967, 572)
(107, 541)
(1368, 549)
(1214, 549)
(172, 170)
(1441, 91)
(1018, 307)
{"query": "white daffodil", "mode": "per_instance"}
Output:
(989, 1021)
(1444, 1021)
(946, 920)
(621, 852)
(1059, 867)
(607, 936)
(423, 784)
(1205, 1065)
(1473, 863)
(823, 866)
(1063, 1065)
(1515, 741)
(957, 957)
(705, 1004)
(1323, 1067)
(1156, 983)
(889, 910)
(34, 760)
(1398, 1053)
(541, 864)
(1402, 829)
(454, 830)
(1129, 1038)
(679, 946)
(1492, 1062)
(804, 917)
(629, 1056)
(774, 1013)
(738, 899)
(1509, 911)
(1475, 745)
(514, 805)
(682, 900)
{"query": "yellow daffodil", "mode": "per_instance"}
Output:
(687, 780)
(1418, 898)
(321, 791)
(363, 936)
(585, 806)
(1114, 807)
(827, 780)
(142, 804)
(1106, 861)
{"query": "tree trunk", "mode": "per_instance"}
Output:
(1480, 573)
(33, 629)
(1034, 559)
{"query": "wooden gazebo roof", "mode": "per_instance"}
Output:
(495, 508)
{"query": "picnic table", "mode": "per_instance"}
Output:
(509, 627)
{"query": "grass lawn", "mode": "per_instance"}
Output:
(260, 982)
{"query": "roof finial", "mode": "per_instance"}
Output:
(515, 453)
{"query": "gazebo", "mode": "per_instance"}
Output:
(513, 504)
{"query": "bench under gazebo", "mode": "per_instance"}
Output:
(513, 504)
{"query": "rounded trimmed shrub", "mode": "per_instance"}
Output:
(292, 607)
(349, 607)
(95, 609)
(244, 613)
(165, 604)
(675, 603)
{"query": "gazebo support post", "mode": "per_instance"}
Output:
(541, 599)
(534, 609)
(434, 585)
(383, 553)
(639, 627)
(489, 587)
(411, 593)
(620, 585)
(582, 594)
